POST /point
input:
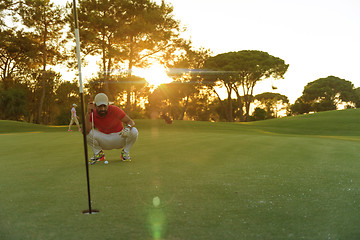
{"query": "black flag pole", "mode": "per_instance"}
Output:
(77, 37)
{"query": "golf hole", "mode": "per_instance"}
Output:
(93, 211)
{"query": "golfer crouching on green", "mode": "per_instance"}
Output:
(105, 130)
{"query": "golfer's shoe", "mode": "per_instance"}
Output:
(97, 157)
(125, 157)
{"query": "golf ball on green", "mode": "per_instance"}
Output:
(106, 162)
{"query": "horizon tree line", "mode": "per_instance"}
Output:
(127, 34)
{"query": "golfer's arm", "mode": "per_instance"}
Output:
(128, 121)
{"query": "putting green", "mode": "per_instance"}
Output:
(291, 178)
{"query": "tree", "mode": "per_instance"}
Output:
(5, 5)
(99, 24)
(273, 103)
(244, 69)
(46, 22)
(189, 87)
(300, 107)
(357, 93)
(327, 93)
(17, 51)
(151, 29)
(12, 104)
(51, 81)
(201, 108)
(214, 79)
(126, 32)
(166, 99)
(66, 94)
(259, 114)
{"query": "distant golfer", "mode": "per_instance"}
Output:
(110, 132)
(74, 118)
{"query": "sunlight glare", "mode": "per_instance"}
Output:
(155, 75)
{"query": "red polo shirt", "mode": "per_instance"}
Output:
(111, 123)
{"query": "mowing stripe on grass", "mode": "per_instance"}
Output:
(215, 181)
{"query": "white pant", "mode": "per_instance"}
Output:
(98, 140)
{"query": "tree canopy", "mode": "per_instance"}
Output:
(244, 69)
(46, 22)
(273, 103)
(325, 94)
(126, 32)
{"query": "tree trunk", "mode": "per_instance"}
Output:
(240, 104)
(229, 114)
(106, 72)
(107, 78)
(128, 91)
(184, 108)
(42, 98)
(43, 76)
(221, 103)
(128, 85)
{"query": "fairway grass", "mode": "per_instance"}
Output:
(290, 178)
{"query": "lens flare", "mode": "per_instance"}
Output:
(156, 220)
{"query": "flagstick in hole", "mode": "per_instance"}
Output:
(90, 210)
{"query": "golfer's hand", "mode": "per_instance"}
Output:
(90, 107)
(125, 132)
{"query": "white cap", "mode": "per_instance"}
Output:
(74, 105)
(101, 99)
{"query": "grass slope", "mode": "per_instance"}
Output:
(214, 181)
(335, 123)
(7, 126)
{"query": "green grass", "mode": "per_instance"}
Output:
(290, 178)
(337, 123)
(17, 127)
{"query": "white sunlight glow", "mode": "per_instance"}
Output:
(155, 75)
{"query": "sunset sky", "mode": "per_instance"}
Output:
(318, 38)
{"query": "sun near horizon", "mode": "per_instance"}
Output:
(155, 75)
